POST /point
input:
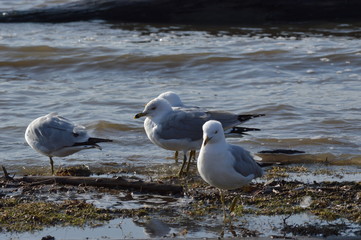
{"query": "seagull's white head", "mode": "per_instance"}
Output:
(212, 132)
(156, 108)
(173, 99)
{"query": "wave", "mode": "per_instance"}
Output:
(46, 57)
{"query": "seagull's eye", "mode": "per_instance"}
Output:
(216, 132)
(153, 108)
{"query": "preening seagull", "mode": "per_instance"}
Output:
(55, 136)
(224, 165)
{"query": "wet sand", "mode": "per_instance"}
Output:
(297, 201)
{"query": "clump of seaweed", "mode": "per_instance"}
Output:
(277, 173)
(81, 170)
(18, 215)
(326, 200)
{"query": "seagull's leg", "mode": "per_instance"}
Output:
(231, 208)
(52, 165)
(176, 156)
(180, 173)
(192, 153)
(233, 204)
(223, 204)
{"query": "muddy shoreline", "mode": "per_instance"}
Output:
(333, 207)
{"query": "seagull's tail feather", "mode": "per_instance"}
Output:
(246, 117)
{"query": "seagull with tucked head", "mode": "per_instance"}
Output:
(55, 136)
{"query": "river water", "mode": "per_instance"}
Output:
(306, 79)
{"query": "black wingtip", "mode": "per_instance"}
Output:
(98, 140)
(246, 117)
(267, 164)
(243, 130)
(93, 142)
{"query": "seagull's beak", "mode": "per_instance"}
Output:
(139, 115)
(206, 140)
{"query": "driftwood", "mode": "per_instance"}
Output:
(193, 11)
(119, 183)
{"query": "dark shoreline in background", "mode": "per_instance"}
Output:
(207, 12)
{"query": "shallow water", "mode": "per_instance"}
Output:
(210, 227)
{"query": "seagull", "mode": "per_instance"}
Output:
(223, 165)
(55, 136)
(175, 101)
(179, 130)
(177, 104)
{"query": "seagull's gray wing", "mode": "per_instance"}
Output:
(62, 124)
(229, 120)
(188, 108)
(244, 162)
(58, 132)
(183, 124)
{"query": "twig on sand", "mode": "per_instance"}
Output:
(6, 174)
